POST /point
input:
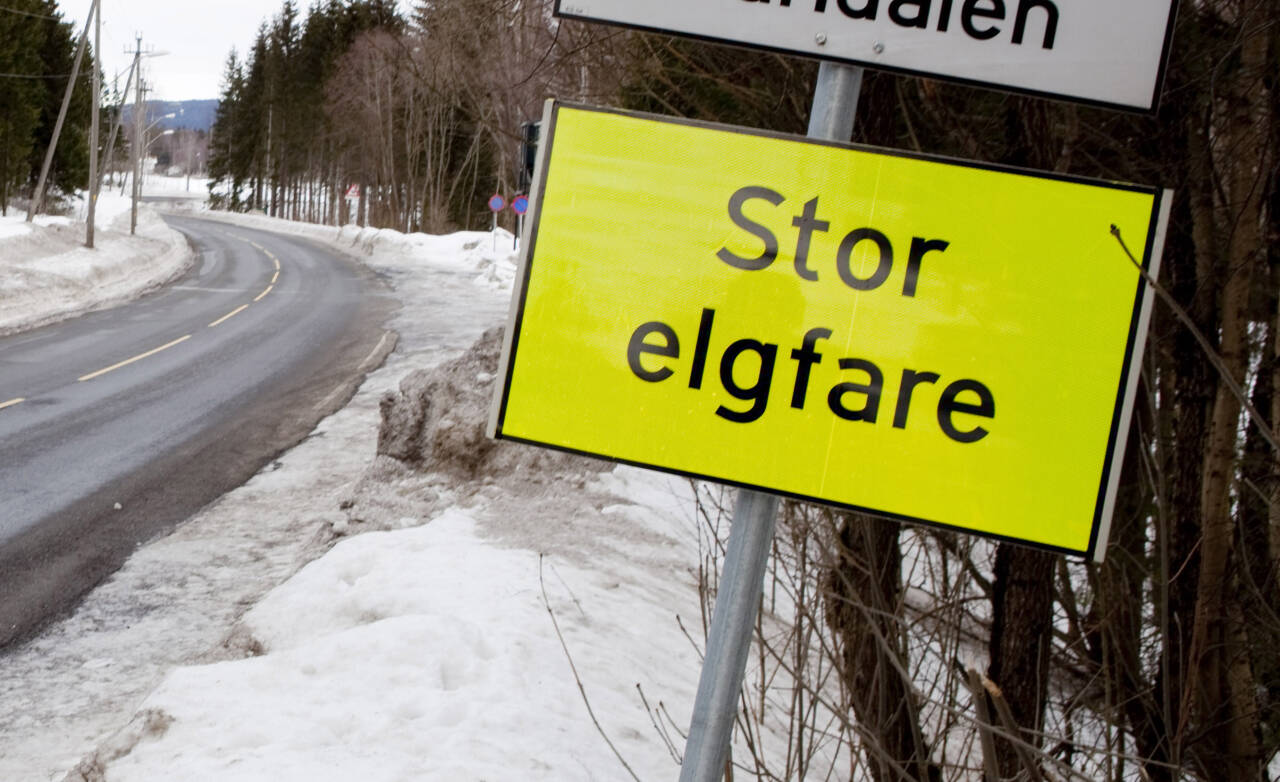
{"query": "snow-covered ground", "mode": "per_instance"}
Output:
(457, 629)
(48, 274)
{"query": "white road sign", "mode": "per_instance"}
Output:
(1104, 52)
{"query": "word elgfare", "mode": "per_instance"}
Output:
(840, 398)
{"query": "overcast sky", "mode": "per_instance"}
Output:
(197, 37)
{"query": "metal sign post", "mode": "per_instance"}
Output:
(835, 102)
(519, 205)
(496, 204)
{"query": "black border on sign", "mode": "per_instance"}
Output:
(551, 114)
(516, 320)
(1149, 109)
(1126, 369)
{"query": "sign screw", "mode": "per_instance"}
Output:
(820, 39)
(878, 48)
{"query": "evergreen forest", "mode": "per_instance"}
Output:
(37, 51)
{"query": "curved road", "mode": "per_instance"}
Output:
(116, 425)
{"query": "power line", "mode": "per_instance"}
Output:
(37, 76)
(32, 77)
(27, 75)
(29, 13)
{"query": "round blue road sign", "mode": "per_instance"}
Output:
(520, 204)
(497, 203)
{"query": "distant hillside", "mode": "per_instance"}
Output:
(187, 114)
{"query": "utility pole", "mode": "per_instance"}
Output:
(94, 174)
(140, 128)
(138, 144)
(190, 139)
(119, 123)
(37, 198)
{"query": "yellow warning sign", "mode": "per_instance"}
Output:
(927, 339)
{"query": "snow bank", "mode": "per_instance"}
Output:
(455, 650)
(489, 256)
(47, 274)
(419, 654)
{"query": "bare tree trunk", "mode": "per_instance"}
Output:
(1220, 688)
(1114, 628)
(1022, 611)
(863, 610)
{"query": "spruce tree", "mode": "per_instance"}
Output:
(22, 93)
(56, 51)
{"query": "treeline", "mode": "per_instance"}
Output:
(1160, 664)
(37, 51)
(420, 113)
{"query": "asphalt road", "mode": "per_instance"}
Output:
(119, 424)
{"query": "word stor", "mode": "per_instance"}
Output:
(807, 223)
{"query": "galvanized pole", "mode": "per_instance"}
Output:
(729, 641)
(835, 101)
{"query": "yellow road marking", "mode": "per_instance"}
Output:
(264, 293)
(267, 252)
(129, 361)
(369, 358)
(12, 402)
(228, 316)
(323, 403)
